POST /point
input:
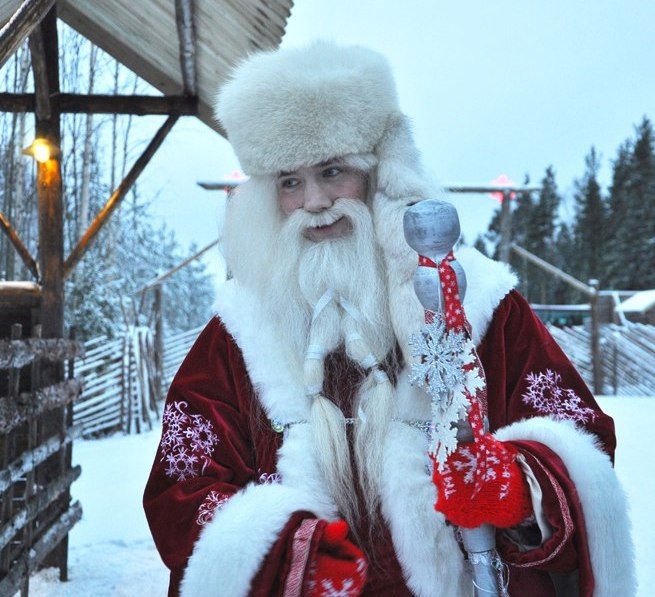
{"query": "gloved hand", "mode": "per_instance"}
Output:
(338, 566)
(481, 482)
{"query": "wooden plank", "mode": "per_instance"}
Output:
(18, 353)
(118, 195)
(30, 459)
(76, 103)
(20, 25)
(13, 412)
(42, 499)
(21, 249)
(33, 557)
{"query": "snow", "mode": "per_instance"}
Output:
(111, 553)
(640, 302)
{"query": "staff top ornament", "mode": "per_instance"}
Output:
(432, 228)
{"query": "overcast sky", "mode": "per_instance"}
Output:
(504, 87)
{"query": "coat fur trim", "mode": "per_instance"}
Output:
(433, 567)
(603, 499)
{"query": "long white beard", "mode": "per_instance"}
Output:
(351, 267)
(291, 276)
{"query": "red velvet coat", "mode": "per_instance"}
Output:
(218, 445)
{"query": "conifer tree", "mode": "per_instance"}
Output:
(631, 250)
(590, 226)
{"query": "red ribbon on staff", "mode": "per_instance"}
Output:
(505, 501)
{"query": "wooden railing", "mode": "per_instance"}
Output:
(36, 433)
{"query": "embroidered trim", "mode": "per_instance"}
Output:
(279, 426)
(299, 557)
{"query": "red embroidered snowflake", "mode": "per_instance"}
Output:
(213, 502)
(545, 394)
(187, 442)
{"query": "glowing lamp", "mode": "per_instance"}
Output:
(41, 150)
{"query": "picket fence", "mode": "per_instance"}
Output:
(123, 383)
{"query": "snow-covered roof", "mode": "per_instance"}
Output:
(144, 36)
(640, 302)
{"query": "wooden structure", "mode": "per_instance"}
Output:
(36, 467)
(184, 49)
(123, 385)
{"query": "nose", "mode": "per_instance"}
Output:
(316, 197)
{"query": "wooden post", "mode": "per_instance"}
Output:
(44, 47)
(159, 340)
(596, 359)
(505, 227)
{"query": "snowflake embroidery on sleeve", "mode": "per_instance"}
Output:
(213, 502)
(545, 394)
(270, 478)
(187, 442)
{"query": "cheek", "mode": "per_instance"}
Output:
(289, 202)
(354, 188)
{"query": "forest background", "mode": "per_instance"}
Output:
(610, 237)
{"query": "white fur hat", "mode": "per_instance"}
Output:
(296, 107)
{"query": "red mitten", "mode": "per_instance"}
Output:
(339, 566)
(481, 482)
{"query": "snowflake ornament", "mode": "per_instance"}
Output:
(445, 368)
(441, 357)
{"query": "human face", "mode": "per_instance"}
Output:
(314, 189)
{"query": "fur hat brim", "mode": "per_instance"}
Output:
(303, 106)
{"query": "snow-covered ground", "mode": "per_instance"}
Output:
(112, 554)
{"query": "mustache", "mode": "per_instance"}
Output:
(300, 220)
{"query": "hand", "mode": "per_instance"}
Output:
(339, 566)
(481, 482)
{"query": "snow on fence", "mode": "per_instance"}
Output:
(36, 393)
(123, 383)
(627, 356)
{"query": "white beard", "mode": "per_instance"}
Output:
(350, 266)
(290, 274)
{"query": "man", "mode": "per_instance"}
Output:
(294, 457)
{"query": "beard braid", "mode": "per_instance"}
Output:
(351, 268)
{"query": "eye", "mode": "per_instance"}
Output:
(331, 171)
(288, 182)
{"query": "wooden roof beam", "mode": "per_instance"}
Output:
(42, 106)
(184, 14)
(28, 15)
(21, 249)
(117, 196)
(139, 105)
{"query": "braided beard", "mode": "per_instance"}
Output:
(350, 268)
(268, 253)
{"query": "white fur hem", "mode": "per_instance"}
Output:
(603, 500)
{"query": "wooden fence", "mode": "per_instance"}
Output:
(36, 434)
(123, 383)
(124, 386)
(627, 356)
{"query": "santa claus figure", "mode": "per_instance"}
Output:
(295, 457)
